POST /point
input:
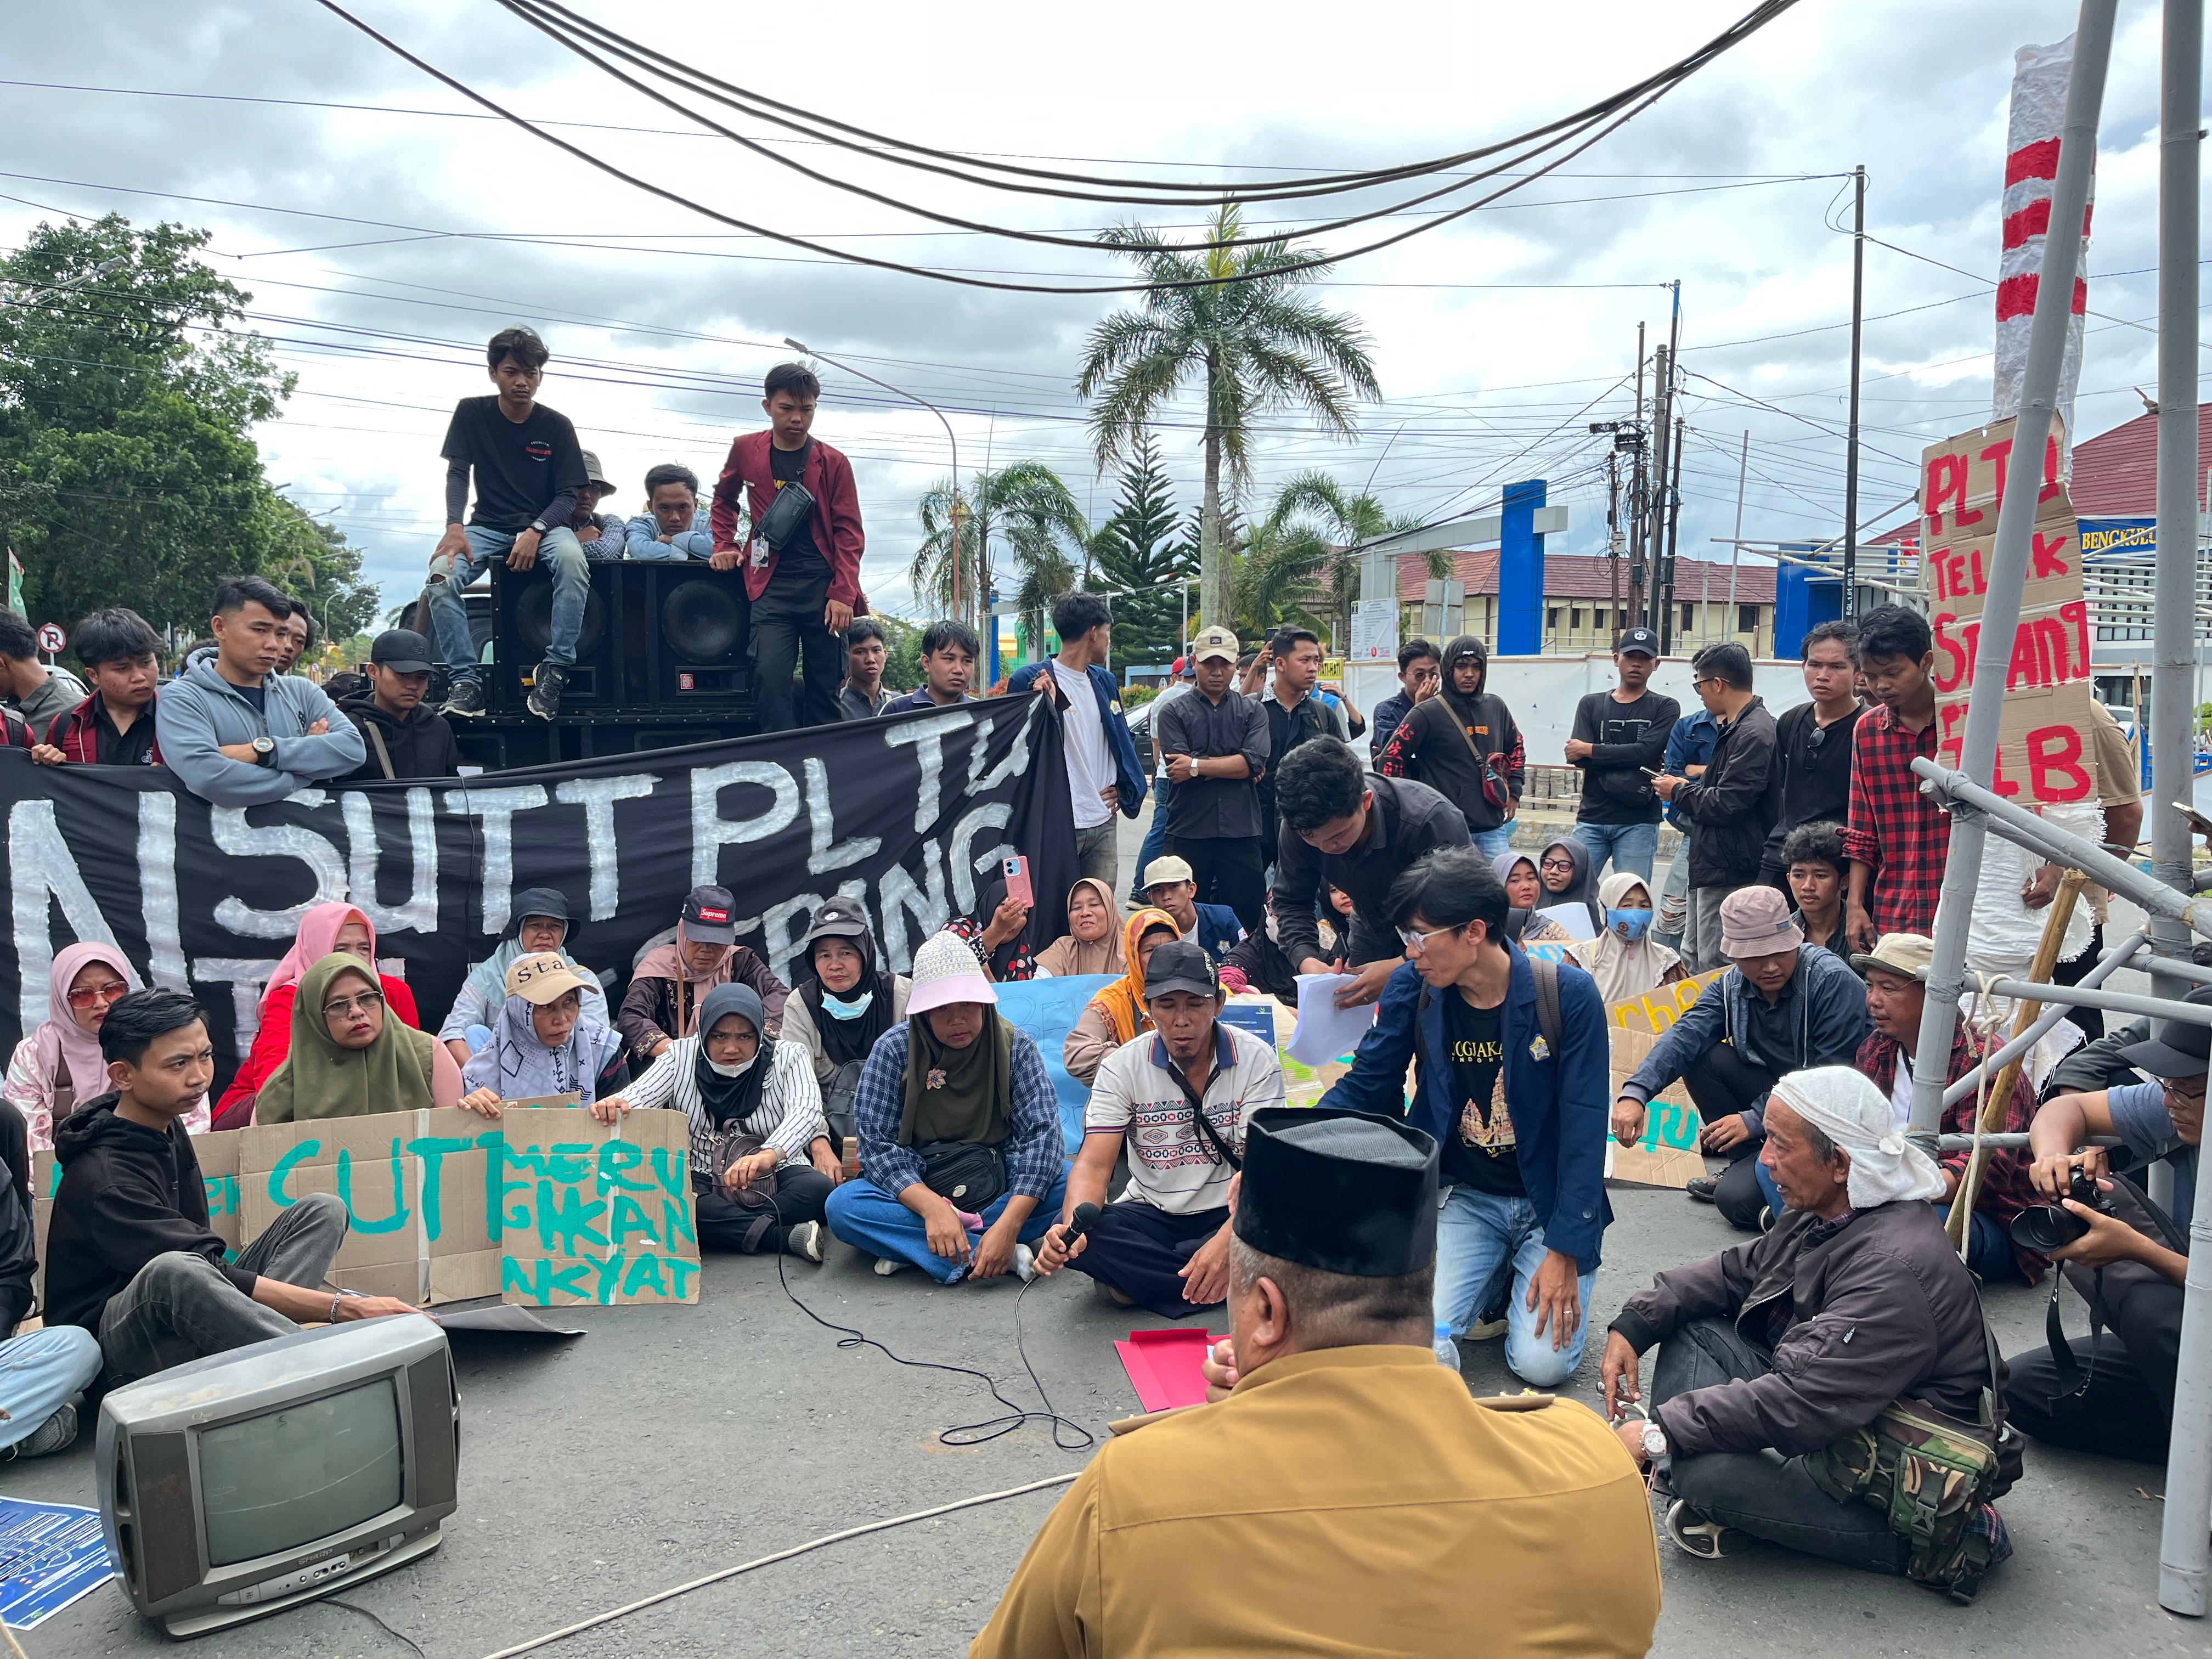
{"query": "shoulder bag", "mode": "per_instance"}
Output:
(1494, 789)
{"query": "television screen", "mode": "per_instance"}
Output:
(274, 1482)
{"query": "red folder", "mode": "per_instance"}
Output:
(1164, 1366)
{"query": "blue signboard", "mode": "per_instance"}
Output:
(2135, 535)
(50, 1555)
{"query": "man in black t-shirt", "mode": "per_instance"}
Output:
(1620, 740)
(528, 468)
(1811, 779)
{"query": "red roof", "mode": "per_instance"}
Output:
(1585, 576)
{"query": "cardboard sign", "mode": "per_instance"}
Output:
(2042, 741)
(1661, 1008)
(1667, 1156)
(542, 1205)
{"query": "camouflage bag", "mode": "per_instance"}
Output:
(1930, 1475)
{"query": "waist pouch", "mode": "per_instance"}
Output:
(757, 1200)
(967, 1176)
(784, 515)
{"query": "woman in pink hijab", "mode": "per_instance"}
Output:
(325, 929)
(57, 1067)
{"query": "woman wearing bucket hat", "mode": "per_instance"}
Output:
(963, 1158)
(539, 922)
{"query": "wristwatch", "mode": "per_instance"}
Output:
(265, 749)
(1655, 1442)
(541, 526)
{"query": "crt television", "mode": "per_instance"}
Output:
(257, 1478)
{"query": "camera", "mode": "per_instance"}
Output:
(2044, 1228)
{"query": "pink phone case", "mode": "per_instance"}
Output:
(1017, 873)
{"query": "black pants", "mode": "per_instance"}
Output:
(1228, 871)
(2128, 1406)
(1721, 1081)
(785, 620)
(1768, 1497)
(1141, 1252)
(724, 1224)
(2091, 1020)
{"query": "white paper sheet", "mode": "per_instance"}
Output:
(1327, 1032)
(1572, 917)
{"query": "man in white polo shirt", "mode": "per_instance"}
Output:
(1187, 1089)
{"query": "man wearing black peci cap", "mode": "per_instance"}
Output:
(2116, 1396)
(1620, 740)
(1177, 1097)
(404, 738)
(1332, 1500)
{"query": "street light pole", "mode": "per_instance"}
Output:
(1851, 443)
(949, 437)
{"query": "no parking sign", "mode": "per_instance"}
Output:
(51, 639)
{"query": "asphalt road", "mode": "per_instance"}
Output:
(668, 1442)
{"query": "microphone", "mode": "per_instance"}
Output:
(1085, 1216)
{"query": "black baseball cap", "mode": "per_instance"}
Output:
(1640, 641)
(2175, 1047)
(401, 650)
(710, 916)
(1179, 965)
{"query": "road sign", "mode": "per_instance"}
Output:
(51, 639)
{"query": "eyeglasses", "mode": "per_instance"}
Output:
(342, 1006)
(1564, 866)
(1416, 943)
(89, 995)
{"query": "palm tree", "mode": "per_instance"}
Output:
(1026, 505)
(1296, 563)
(1258, 344)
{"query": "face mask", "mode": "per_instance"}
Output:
(1631, 925)
(846, 1007)
(722, 1070)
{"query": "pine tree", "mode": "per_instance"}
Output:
(1141, 556)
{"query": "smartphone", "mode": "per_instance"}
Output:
(2198, 822)
(1649, 771)
(1015, 869)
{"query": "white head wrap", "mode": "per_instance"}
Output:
(1845, 1106)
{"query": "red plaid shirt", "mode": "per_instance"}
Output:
(2004, 1190)
(1893, 830)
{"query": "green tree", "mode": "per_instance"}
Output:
(1250, 338)
(1143, 558)
(1297, 564)
(1024, 509)
(128, 398)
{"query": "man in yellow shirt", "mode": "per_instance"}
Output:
(1346, 1493)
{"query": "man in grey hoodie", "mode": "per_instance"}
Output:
(236, 732)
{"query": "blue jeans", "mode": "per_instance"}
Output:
(1478, 1237)
(1491, 842)
(38, 1372)
(1633, 847)
(1156, 839)
(572, 587)
(869, 1218)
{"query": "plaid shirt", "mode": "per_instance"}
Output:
(1035, 1152)
(2004, 1190)
(1895, 831)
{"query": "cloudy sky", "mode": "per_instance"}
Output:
(384, 231)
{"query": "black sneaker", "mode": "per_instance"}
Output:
(1701, 1187)
(464, 702)
(545, 688)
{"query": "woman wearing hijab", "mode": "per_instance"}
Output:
(1116, 1014)
(325, 929)
(999, 932)
(761, 1163)
(1524, 894)
(543, 1042)
(349, 1058)
(1623, 959)
(670, 979)
(839, 1009)
(1092, 943)
(540, 923)
(962, 1159)
(1564, 869)
(58, 1066)
(1464, 743)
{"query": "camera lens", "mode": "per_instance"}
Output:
(2044, 1228)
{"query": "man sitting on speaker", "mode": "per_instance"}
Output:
(674, 525)
(528, 469)
(1186, 1088)
(948, 650)
(862, 697)
(802, 562)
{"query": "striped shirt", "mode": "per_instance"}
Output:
(789, 1118)
(1035, 1154)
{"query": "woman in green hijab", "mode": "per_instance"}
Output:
(349, 1058)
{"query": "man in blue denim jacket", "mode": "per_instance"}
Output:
(1520, 1117)
(673, 526)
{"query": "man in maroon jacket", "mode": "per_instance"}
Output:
(804, 586)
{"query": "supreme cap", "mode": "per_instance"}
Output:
(710, 916)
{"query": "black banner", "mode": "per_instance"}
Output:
(902, 813)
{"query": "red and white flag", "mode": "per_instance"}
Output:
(2040, 80)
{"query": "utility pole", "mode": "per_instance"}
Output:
(1673, 525)
(1613, 534)
(1640, 501)
(1663, 381)
(1735, 548)
(1851, 445)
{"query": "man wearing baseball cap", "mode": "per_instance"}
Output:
(1329, 1499)
(2116, 1396)
(1169, 885)
(404, 740)
(1214, 740)
(1189, 1083)
(1783, 1006)
(1619, 738)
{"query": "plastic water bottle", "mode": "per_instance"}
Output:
(1447, 1349)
